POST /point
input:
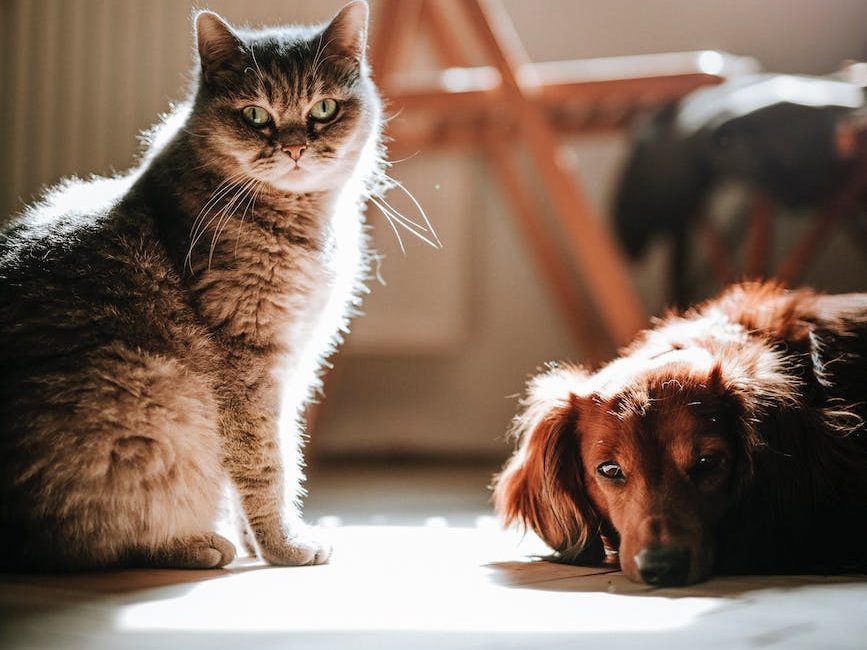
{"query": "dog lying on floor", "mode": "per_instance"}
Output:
(731, 439)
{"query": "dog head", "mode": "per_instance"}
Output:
(640, 461)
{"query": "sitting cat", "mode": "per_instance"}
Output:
(161, 331)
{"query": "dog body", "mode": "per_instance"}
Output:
(731, 438)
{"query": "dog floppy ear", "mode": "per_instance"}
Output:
(541, 485)
(752, 387)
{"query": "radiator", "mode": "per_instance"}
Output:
(79, 79)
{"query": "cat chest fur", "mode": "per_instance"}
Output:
(278, 284)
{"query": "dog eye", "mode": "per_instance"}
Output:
(611, 471)
(706, 465)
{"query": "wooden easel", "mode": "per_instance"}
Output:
(512, 106)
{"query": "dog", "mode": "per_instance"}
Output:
(729, 439)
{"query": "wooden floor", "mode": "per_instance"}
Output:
(421, 564)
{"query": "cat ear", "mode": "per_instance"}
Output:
(219, 46)
(346, 36)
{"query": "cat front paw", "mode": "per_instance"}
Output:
(204, 551)
(302, 549)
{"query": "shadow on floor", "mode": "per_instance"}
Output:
(552, 576)
(120, 581)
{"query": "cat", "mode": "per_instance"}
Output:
(162, 331)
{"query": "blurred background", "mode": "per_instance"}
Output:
(450, 336)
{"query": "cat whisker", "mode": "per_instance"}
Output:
(219, 192)
(318, 51)
(400, 216)
(322, 61)
(223, 216)
(395, 218)
(394, 115)
(398, 220)
(256, 63)
(420, 209)
(226, 215)
(252, 201)
(316, 60)
(196, 135)
(390, 163)
(199, 226)
(216, 195)
(393, 227)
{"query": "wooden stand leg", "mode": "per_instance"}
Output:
(550, 262)
(679, 267)
(442, 32)
(548, 258)
(397, 20)
(596, 255)
(758, 238)
(716, 251)
(844, 201)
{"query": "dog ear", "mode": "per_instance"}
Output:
(741, 410)
(541, 485)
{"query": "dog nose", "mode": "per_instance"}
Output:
(294, 150)
(663, 566)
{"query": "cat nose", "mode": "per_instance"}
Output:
(294, 150)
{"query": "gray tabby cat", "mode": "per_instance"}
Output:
(160, 332)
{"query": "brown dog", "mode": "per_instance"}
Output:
(731, 438)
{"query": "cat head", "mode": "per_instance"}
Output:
(292, 106)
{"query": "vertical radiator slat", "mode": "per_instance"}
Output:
(8, 11)
(103, 93)
(47, 144)
(20, 100)
(73, 107)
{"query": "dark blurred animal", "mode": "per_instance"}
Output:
(775, 132)
(730, 438)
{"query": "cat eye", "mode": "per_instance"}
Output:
(255, 116)
(611, 471)
(323, 110)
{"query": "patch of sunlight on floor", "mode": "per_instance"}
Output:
(408, 578)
